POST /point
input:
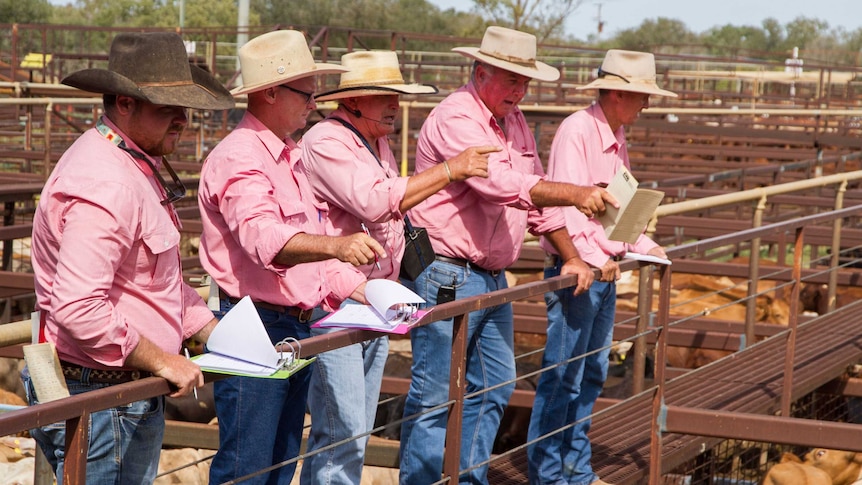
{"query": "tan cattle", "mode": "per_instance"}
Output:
(791, 471)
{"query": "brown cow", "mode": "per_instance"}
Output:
(791, 471)
(843, 467)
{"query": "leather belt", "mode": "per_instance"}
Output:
(294, 311)
(467, 264)
(103, 376)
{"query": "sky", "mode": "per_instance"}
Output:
(697, 15)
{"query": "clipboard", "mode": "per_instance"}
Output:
(393, 309)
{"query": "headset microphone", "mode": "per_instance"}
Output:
(358, 114)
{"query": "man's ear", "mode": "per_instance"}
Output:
(125, 104)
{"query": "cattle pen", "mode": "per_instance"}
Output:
(762, 198)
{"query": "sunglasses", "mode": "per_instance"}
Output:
(175, 190)
(309, 97)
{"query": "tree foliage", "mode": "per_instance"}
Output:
(545, 18)
(25, 11)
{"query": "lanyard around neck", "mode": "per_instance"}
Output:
(364, 141)
(174, 191)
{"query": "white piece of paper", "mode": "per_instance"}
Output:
(45, 372)
(647, 258)
(240, 343)
(385, 297)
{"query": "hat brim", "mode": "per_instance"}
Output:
(358, 91)
(540, 71)
(633, 87)
(205, 92)
(319, 69)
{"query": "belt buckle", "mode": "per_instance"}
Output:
(305, 315)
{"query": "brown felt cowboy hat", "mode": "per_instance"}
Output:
(153, 67)
(372, 73)
(628, 71)
(513, 51)
(278, 57)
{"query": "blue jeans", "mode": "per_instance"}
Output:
(490, 361)
(260, 420)
(341, 380)
(566, 394)
(125, 441)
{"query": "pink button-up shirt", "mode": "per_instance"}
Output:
(586, 152)
(106, 259)
(252, 201)
(358, 189)
(481, 220)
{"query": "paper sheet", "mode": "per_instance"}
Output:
(45, 372)
(647, 258)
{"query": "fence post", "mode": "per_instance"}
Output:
(457, 386)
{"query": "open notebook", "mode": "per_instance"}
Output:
(392, 308)
(239, 345)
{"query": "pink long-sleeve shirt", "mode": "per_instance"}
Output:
(585, 151)
(106, 258)
(482, 220)
(357, 188)
(252, 201)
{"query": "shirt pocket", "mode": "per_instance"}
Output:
(293, 212)
(157, 263)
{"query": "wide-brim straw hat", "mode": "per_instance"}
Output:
(628, 71)
(278, 57)
(153, 67)
(513, 51)
(372, 73)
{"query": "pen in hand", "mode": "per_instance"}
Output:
(195, 389)
(365, 230)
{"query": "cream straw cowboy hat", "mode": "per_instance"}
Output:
(628, 71)
(275, 58)
(372, 73)
(511, 50)
(153, 67)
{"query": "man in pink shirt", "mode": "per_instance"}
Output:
(477, 228)
(106, 256)
(352, 169)
(263, 237)
(588, 149)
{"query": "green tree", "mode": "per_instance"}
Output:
(545, 18)
(25, 12)
(730, 40)
(654, 33)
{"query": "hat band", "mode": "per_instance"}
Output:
(371, 84)
(603, 73)
(514, 60)
(168, 84)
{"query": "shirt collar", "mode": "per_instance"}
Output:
(274, 145)
(483, 109)
(610, 140)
